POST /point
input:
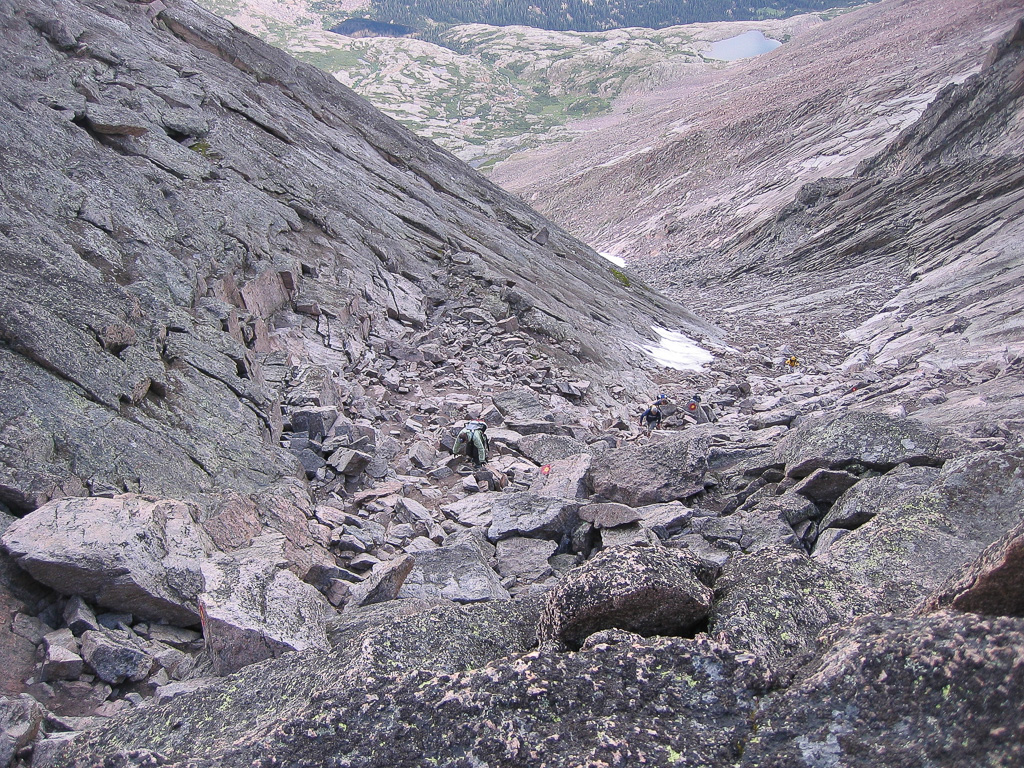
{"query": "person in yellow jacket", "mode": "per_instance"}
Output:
(472, 442)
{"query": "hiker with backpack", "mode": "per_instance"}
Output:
(472, 442)
(651, 418)
(701, 412)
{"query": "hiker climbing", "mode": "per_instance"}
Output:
(792, 362)
(472, 441)
(702, 413)
(651, 418)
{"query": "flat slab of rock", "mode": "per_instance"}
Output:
(473, 510)
(527, 514)
(254, 610)
(665, 519)
(873, 440)
(458, 573)
(544, 448)
(526, 559)
(639, 589)
(564, 478)
(131, 553)
(609, 514)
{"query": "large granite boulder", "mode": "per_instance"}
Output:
(130, 553)
(235, 520)
(254, 609)
(777, 602)
(917, 540)
(943, 689)
(654, 701)
(640, 589)
(872, 440)
(671, 467)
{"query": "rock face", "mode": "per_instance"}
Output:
(228, 160)
(133, 553)
(228, 282)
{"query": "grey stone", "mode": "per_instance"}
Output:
(20, 721)
(349, 462)
(609, 514)
(457, 572)
(777, 602)
(546, 448)
(908, 670)
(254, 610)
(670, 468)
(633, 535)
(171, 691)
(639, 589)
(115, 658)
(78, 616)
(925, 534)
(564, 478)
(132, 553)
(665, 519)
(382, 583)
(863, 501)
(824, 486)
(528, 514)
(525, 559)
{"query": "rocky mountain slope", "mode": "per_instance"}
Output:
(781, 200)
(244, 316)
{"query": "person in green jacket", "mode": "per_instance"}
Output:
(472, 441)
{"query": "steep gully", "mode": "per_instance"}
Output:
(812, 578)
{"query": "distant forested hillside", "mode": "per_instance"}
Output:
(590, 15)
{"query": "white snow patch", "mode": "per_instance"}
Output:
(678, 351)
(616, 260)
